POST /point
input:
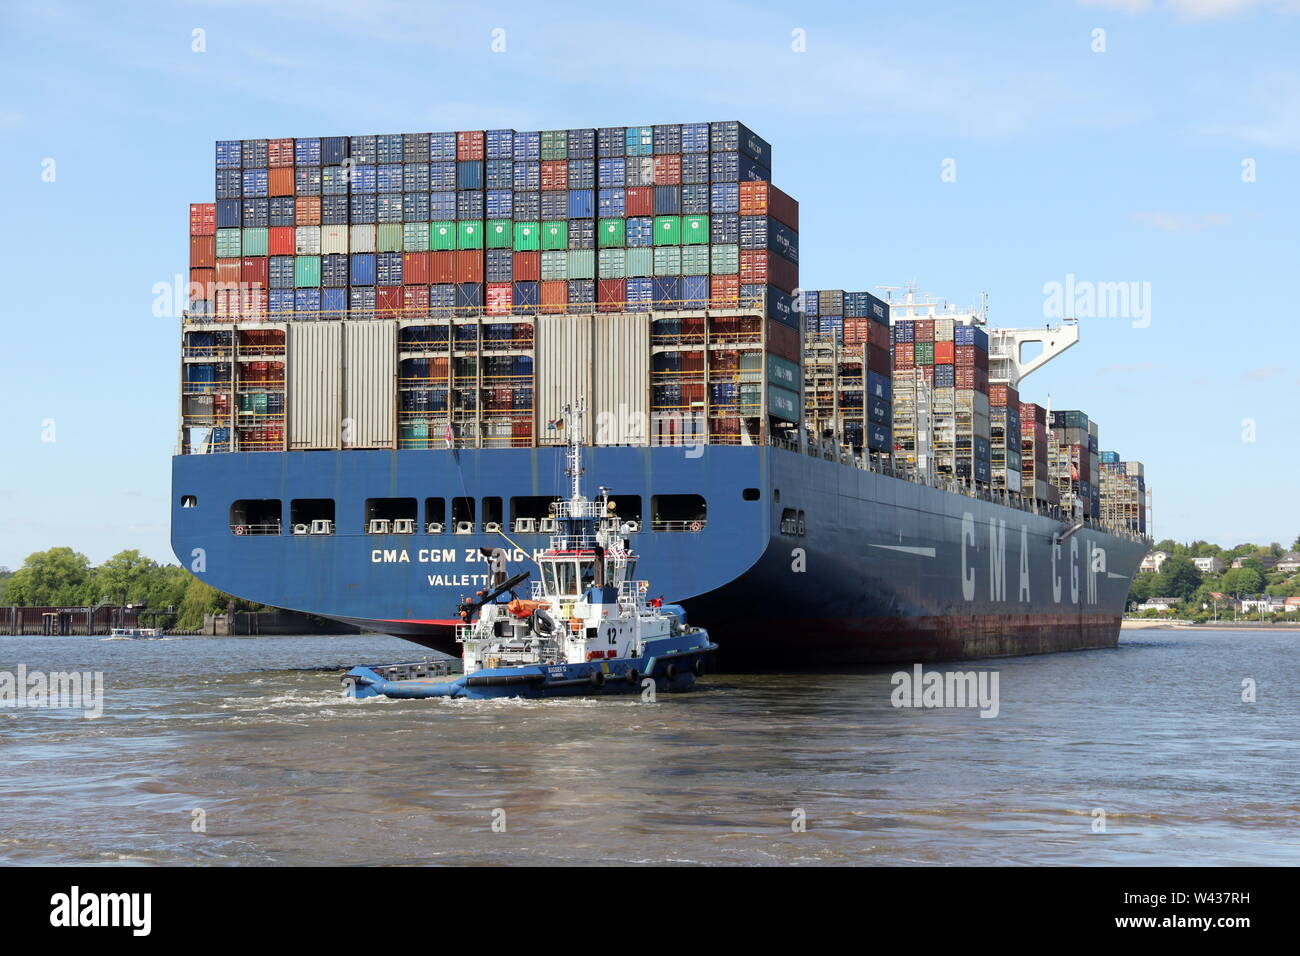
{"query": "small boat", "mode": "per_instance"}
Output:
(135, 632)
(586, 627)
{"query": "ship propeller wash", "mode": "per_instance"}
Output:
(588, 626)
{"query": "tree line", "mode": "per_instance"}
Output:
(1179, 578)
(62, 577)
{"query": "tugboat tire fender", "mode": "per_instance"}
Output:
(670, 671)
(597, 678)
(633, 676)
(697, 667)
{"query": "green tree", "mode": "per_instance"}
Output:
(1140, 590)
(1178, 578)
(126, 578)
(56, 577)
(199, 599)
(1243, 580)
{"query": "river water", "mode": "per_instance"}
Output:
(254, 735)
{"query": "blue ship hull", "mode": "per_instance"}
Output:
(877, 570)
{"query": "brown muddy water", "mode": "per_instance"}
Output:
(254, 733)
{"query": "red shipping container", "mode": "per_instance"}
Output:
(783, 341)
(279, 152)
(203, 252)
(555, 296)
(611, 295)
(203, 219)
(442, 267)
(760, 267)
(280, 240)
(965, 357)
(255, 271)
(924, 330)
(758, 198)
(528, 266)
(904, 355)
(280, 182)
(201, 282)
(724, 291)
(878, 334)
(226, 304)
(500, 298)
(943, 353)
(415, 302)
(555, 174)
(668, 170)
(228, 271)
(469, 145)
(306, 211)
(469, 265)
(415, 268)
(388, 301)
(878, 360)
(640, 201)
(856, 331)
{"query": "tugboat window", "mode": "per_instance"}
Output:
(256, 516)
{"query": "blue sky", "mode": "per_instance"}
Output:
(1122, 165)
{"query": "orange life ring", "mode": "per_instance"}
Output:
(695, 526)
(239, 529)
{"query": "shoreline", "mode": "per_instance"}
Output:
(1138, 624)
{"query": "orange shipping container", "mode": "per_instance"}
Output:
(279, 152)
(203, 219)
(668, 170)
(280, 182)
(555, 296)
(555, 174)
(469, 145)
(724, 291)
(201, 281)
(943, 353)
(228, 272)
(469, 265)
(203, 252)
(415, 268)
(255, 271)
(759, 198)
(443, 267)
(307, 211)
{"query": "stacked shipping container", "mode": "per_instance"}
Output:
(847, 377)
(466, 237)
(1123, 493)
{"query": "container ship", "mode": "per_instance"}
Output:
(382, 331)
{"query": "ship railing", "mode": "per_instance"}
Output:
(828, 451)
(692, 526)
(634, 592)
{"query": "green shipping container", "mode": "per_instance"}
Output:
(442, 236)
(783, 373)
(668, 230)
(555, 266)
(695, 230)
(640, 263)
(612, 263)
(555, 235)
(228, 244)
(613, 232)
(924, 353)
(695, 260)
(725, 260)
(783, 403)
(582, 263)
(255, 242)
(500, 233)
(388, 238)
(555, 144)
(415, 236)
(469, 235)
(306, 271)
(527, 237)
(668, 261)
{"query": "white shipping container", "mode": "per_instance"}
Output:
(362, 238)
(370, 384)
(563, 370)
(306, 240)
(333, 240)
(314, 386)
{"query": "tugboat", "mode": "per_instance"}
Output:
(587, 627)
